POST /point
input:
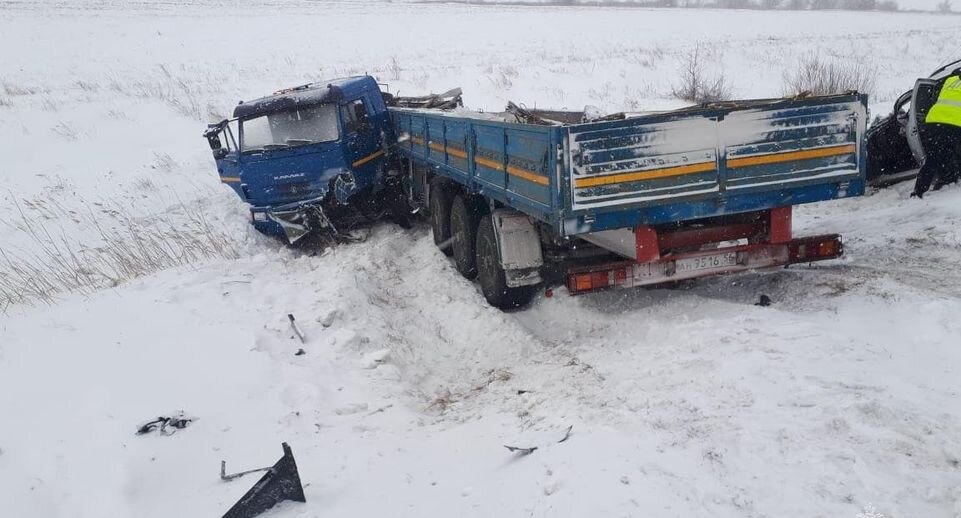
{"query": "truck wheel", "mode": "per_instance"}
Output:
(491, 275)
(440, 203)
(465, 216)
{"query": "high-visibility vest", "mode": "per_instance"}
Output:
(948, 108)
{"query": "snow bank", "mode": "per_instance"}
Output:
(840, 398)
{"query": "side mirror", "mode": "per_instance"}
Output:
(212, 134)
(213, 139)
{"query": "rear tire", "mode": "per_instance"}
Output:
(465, 216)
(491, 275)
(441, 198)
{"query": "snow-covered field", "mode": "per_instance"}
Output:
(842, 399)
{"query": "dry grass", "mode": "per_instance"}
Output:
(129, 248)
(696, 84)
(815, 75)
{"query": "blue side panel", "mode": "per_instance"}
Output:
(644, 161)
(418, 137)
(796, 144)
(527, 165)
(511, 163)
(456, 145)
(489, 156)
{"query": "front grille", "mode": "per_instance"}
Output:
(294, 190)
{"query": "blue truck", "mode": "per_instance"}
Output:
(526, 199)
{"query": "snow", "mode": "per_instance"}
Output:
(840, 399)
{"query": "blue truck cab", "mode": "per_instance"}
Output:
(299, 154)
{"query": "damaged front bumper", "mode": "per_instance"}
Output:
(293, 220)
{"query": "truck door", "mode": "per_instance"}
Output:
(222, 143)
(363, 140)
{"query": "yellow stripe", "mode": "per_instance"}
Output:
(459, 153)
(530, 176)
(368, 158)
(486, 162)
(519, 172)
(453, 151)
(229, 179)
(775, 158)
(650, 174)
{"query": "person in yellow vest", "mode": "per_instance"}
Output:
(942, 139)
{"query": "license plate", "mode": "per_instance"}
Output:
(706, 262)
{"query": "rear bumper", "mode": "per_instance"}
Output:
(704, 263)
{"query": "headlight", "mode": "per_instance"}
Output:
(258, 216)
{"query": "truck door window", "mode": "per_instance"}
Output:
(355, 115)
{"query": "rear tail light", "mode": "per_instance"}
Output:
(582, 282)
(827, 248)
(824, 247)
(591, 281)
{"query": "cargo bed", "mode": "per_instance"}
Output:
(701, 162)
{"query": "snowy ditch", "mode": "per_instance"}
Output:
(840, 399)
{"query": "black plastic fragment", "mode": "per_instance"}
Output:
(281, 482)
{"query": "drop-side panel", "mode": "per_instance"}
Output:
(527, 165)
(774, 149)
(511, 163)
(716, 154)
(635, 161)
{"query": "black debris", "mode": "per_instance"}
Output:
(281, 482)
(166, 425)
(522, 451)
(297, 331)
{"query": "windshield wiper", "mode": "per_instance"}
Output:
(298, 141)
(270, 147)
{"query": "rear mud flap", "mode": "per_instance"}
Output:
(519, 247)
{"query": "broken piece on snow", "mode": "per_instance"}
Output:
(532, 449)
(522, 451)
(293, 325)
(281, 482)
(227, 478)
(166, 425)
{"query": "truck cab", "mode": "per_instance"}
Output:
(303, 152)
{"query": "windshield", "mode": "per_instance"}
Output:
(290, 128)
